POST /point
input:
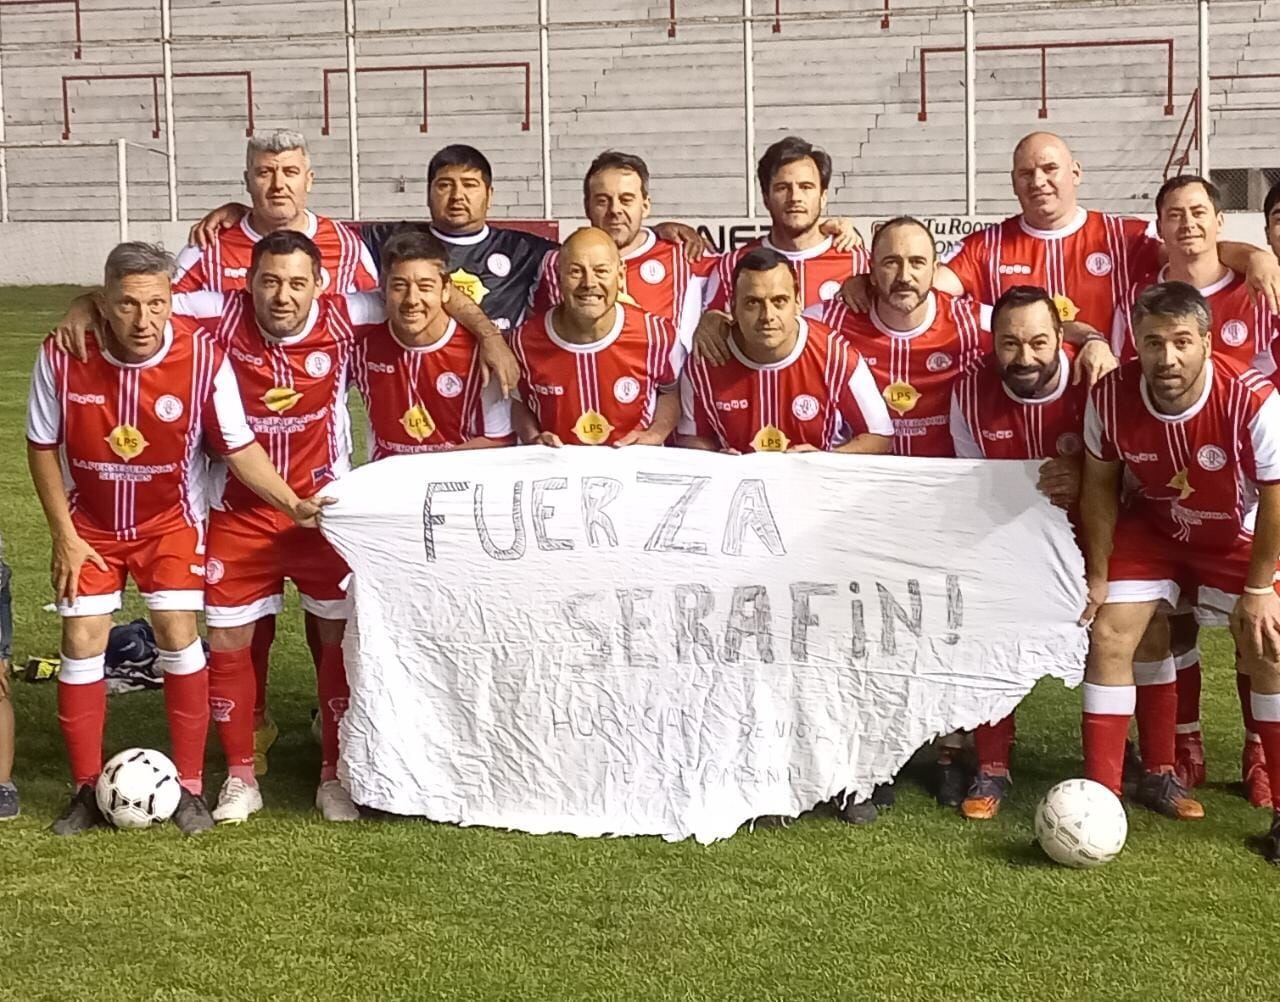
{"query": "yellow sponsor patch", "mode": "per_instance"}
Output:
(126, 441)
(280, 398)
(593, 428)
(901, 397)
(469, 285)
(1067, 310)
(417, 423)
(770, 439)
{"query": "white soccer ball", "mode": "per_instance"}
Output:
(138, 788)
(1081, 824)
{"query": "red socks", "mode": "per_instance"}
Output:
(993, 743)
(82, 715)
(186, 704)
(264, 635)
(1157, 712)
(231, 688)
(1104, 728)
(1265, 709)
(331, 687)
(1189, 678)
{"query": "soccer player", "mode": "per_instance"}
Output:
(1021, 403)
(790, 385)
(1271, 218)
(419, 370)
(127, 425)
(594, 371)
(1197, 438)
(9, 806)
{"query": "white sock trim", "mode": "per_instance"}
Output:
(1265, 706)
(83, 671)
(1251, 738)
(1187, 659)
(187, 661)
(1155, 672)
(1187, 728)
(1110, 700)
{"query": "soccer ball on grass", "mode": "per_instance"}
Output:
(138, 788)
(1081, 824)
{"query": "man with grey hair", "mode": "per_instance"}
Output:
(130, 423)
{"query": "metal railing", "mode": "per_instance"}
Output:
(74, 4)
(1192, 116)
(155, 79)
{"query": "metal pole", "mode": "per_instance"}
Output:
(353, 132)
(1202, 97)
(4, 163)
(749, 109)
(122, 186)
(170, 143)
(970, 114)
(544, 103)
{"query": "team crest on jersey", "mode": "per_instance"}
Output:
(448, 384)
(469, 285)
(499, 264)
(1211, 458)
(213, 570)
(318, 364)
(770, 439)
(828, 290)
(417, 423)
(901, 397)
(168, 408)
(938, 361)
(1070, 444)
(126, 441)
(280, 398)
(1098, 264)
(805, 407)
(1067, 310)
(593, 428)
(1181, 483)
(653, 272)
(626, 389)
(1235, 333)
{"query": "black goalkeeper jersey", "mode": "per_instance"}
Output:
(496, 267)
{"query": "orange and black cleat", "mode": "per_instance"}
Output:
(986, 794)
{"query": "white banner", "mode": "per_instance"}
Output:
(652, 641)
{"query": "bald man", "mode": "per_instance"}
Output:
(593, 370)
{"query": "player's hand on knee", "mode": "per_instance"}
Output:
(711, 339)
(856, 293)
(69, 555)
(844, 235)
(204, 232)
(1255, 620)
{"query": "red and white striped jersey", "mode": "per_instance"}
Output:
(916, 370)
(659, 279)
(822, 394)
(294, 392)
(989, 421)
(594, 394)
(820, 269)
(132, 435)
(1191, 476)
(428, 398)
(1242, 329)
(1087, 265)
(223, 266)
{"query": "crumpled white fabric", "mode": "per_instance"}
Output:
(513, 691)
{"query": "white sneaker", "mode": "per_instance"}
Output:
(236, 801)
(335, 803)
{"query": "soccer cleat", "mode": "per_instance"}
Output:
(1163, 793)
(986, 792)
(9, 808)
(1271, 841)
(953, 783)
(1133, 770)
(81, 815)
(335, 803)
(1188, 759)
(864, 813)
(264, 736)
(236, 801)
(192, 816)
(1253, 769)
(884, 796)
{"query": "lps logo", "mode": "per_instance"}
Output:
(448, 384)
(938, 361)
(1235, 333)
(828, 290)
(653, 272)
(1098, 264)
(805, 407)
(1211, 457)
(213, 570)
(626, 389)
(1015, 269)
(499, 264)
(1070, 444)
(318, 364)
(168, 408)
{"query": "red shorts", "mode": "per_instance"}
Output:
(250, 555)
(1146, 566)
(168, 570)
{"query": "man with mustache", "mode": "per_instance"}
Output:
(1197, 438)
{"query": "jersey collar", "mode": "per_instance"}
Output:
(781, 363)
(463, 240)
(1208, 290)
(309, 231)
(1082, 214)
(1191, 411)
(1064, 379)
(166, 342)
(931, 315)
(650, 238)
(426, 349)
(300, 336)
(801, 255)
(594, 346)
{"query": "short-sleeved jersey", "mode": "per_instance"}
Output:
(1242, 329)
(594, 394)
(425, 398)
(1087, 265)
(1192, 477)
(989, 421)
(916, 370)
(223, 266)
(294, 392)
(821, 270)
(659, 278)
(822, 394)
(132, 436)
(495, 267)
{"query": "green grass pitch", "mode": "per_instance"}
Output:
(921, 906)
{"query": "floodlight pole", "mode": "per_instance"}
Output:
(970, 113)
(170, 142)
(544, 102)
(353, 136)
(1202, 94)
(749, 109)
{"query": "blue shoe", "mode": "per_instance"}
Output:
(9, 808)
